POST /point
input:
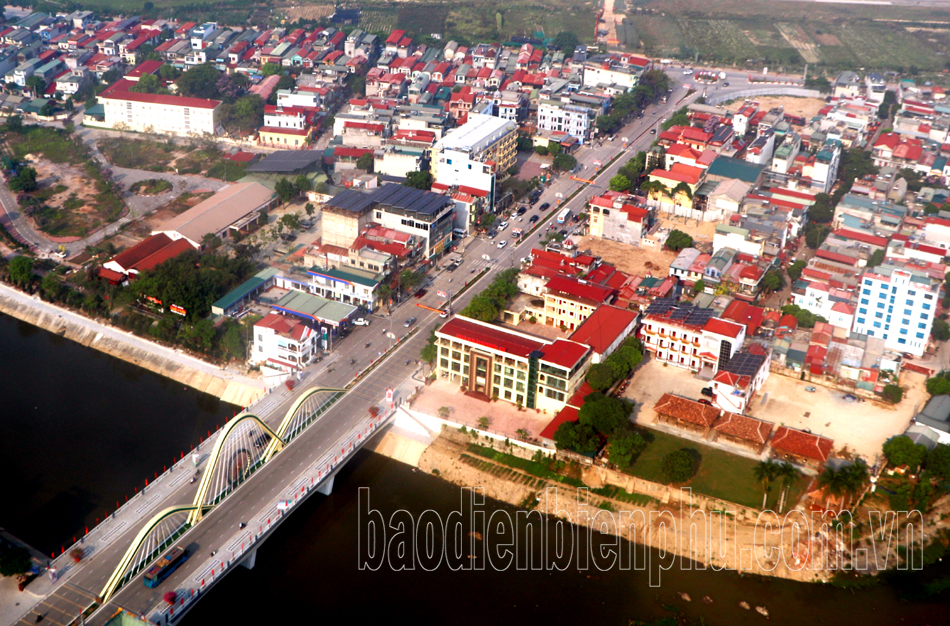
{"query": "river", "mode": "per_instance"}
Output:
(83, 429)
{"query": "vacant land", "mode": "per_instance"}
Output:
(74, 197)
(720, 474)
(167, 156)
(639, 261)
(800, 107)
(151, 187)
(829, 35)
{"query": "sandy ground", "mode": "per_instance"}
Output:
(701, 232)
(49, 174)
(652, 380)
(307, 11)
(802, 107)
(504, 417)
(640, 261)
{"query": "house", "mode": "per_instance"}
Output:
(800, 447)
(283, 343)
(685, 414)
(147, 254)
(741, 430)
(605, 330)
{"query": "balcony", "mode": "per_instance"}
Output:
(647, 331)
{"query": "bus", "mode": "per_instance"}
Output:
(563, 216)
(165, 566)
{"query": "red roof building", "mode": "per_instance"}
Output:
(802, 446)
(147, 254)
(605, 330)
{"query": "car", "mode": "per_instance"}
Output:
(652, 131)
(502, 226)
(810, 389)
(410, 322)
(361, 322)
(522, 210)
(420, 293)
(687, 72)
(725, 84)
(445, 313)
(502, 244)
(704, 401)
(907, 356)
(850, 397)
(707, 391)
(492, 234)
(545, 206)
(533, 219)
(611, 138)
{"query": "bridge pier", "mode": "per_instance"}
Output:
(326, 487)
(250, 560)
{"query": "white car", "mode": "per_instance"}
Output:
(687, 72)
(502, 226)
(444, 313)
(502, 244)
(361, 322)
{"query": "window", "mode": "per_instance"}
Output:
(920, 335)
(864, 301)
(901, 340)
(444, 363)
(903, 331)
(877, 324)
(861, 320)
(908, 312)
(905, 322)
(923, 316)
(921, 325)
(880, 305)
(879, 315)
(925, 306)
(909, 302)
(497, 379)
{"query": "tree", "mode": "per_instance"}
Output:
(211, 241)
(940, 330)
(699, 286)
(291, 221)
(14, 560)
(37, 85)
(846, 481)
(892, 393)
(310, 209)
(605, 414)
(168, 72)
(823, 210)
(564, 162)
(486, 220)
(788, 474)
(269, 69)
(795, 270)
(683, 188)
(938, 461)
(201, 81)
(619, 183)
(554, 148)
(245, 115)
(772, 281)
(902, 450)
(419, 180)
(302, 184)
(565, 41)
(626, 445)
(938, 385)
(541, 150)
(679, 466)
(149, 83)
(24, 180)
(444, 412)
(877, 258)
(286, 190)
(14, 123)
(576, 436)
(765, 472)
(21, 270)
(365, 162)
(806, 319)
(600, 376)
(525, 144)
(678, 240)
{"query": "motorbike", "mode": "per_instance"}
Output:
(242, 525)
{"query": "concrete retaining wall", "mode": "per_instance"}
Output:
(765, 90)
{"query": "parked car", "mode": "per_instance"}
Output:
(361, 322)
(810, 389)
(420, 293)
(533, 219)
(410, 322)
(726, 84)
(707, 391)
(704, 401)
(850, 397)
(445, 313)
(545, 206)
(502, 244)
(907, 356)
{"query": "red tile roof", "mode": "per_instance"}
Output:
(567, 414)
(722, 327)
(120, 91)
(491, 337)
(686, 410)
(575, 288)
(743, 427)
(601, 329)
(150, 252)
(802, 444)
(564, 353)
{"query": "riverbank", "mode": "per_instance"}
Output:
(230, 386)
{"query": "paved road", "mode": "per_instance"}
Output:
(271, 482)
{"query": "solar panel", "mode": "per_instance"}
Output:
(745, 363)
(287, 161)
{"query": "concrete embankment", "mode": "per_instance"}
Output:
(222, 383)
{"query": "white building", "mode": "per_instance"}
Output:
(576, 121)
(898, 303)
(689, 337)
(470, 155)
(174, 115)
(284, 343)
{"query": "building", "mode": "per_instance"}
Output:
(147, 254)
(569, 301)
(472, 154)
(605, 330)
(735, 384)
(283, 343)
(690, 337)
(897, 302)
(236, 208)
(575, 120)
(618, 218)
(801, 447)
(497, 362)
(147, 112)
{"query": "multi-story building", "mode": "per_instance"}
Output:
(575, 120)
(569, 301)
(897, 303)
(616, 216)
(147, 112)
(500, 363)
(472, 154)
(689, 337)
(284, 343)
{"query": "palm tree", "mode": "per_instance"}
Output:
(765, 472)
(788, 474)
(844, 482)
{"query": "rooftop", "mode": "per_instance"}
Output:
(686, 410)
(802, 444)
(479, 132)
(601, 329)
(490, 336)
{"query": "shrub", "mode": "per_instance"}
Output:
(680, 466)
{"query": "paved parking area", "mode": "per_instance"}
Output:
(652, 380)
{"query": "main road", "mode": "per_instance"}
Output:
(272, 481)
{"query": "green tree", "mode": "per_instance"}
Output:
(564, 162)
(823, 210)
(430, 351)
(286, 190)
(619, 183)
(419, 180)
(24, 180)
(310, 209)
(765, 472)
(566, 42)
(302, 184)
(876, 258)
(938, 461)
(940, 330)
(149, 83)
(678, 240)
(211, 242)
(269, 69)
(554, 148)
(772, 281)
(902, 450)
(168, 72)
(233, 342)
(21, 270)
(938, 385)
(541, 150)
(795, 270)
(292, 221)
(604, 413)
(626, 445)
(525, 144)
(14, 123)
(37, 85)
(679, 466)
(201, 81)
(892, 393)
(365, 162)
(847, 480)
(699, 286)
(486, 220)
(600, 376)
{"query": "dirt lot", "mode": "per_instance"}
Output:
(629, 259)
(70, 197)
(307, 12)
(699, 231)
(801, 107)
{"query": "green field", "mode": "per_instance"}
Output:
(721, 474)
